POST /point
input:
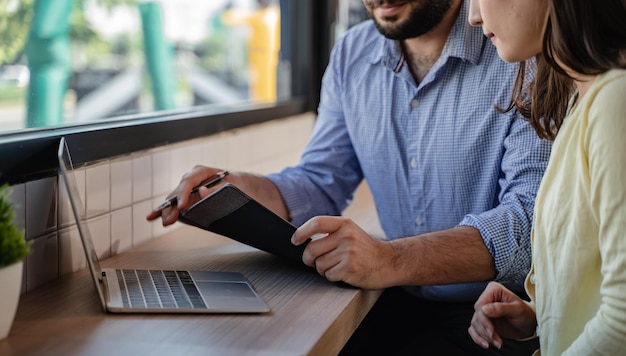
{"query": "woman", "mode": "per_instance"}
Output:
(577, 284)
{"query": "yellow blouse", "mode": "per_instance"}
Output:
(578, 279)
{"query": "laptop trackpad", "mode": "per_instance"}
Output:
(225, 289)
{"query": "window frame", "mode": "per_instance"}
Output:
(306, 34)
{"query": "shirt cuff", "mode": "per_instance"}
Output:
(298, 204)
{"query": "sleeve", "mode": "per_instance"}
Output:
(606, 149)
(506, 228)
(324, 181)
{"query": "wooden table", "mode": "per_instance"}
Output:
(309, 315)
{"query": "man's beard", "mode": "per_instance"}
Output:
(424, 16)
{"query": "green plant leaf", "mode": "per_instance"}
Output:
(13, 246)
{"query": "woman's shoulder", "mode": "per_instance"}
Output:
(606, 103)
(614, 79)
(607, 90)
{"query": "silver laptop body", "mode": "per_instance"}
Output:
(157, 291)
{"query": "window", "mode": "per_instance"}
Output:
(348, 14)
(72, 61)
(137, 74)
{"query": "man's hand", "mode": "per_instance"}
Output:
(341, 251)
(184, 198)
(500, 313)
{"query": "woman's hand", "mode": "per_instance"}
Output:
(500, 313)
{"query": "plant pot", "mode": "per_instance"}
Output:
(11, 282)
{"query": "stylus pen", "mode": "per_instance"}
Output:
(209, 182)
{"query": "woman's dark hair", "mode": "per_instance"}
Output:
(586, 36)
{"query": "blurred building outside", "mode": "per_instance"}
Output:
(222, 52)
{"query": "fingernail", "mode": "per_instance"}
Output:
(318, 235)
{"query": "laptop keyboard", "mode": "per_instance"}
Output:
(158, 289)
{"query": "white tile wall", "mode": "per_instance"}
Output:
(120, 192)
(41, 207)
(65, 216)
(98, 189)
(142, 178)
(142, 229)
(100, 230)
(216, 151)
(71, 253)
(121, 180)
(161, 173)
(180, 164)
(121, 230)
(42, 266)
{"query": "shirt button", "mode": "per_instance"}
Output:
(415, 103)
(413, 163)
(532, 278)
(418, 221)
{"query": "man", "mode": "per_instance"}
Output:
(412, 111)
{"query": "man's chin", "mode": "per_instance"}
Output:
(388, 21)
(389, 29)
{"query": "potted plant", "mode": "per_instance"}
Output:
(13, 249)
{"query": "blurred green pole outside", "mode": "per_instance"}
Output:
(158, 56)
(49, 61)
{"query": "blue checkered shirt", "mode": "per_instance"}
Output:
(435, 154)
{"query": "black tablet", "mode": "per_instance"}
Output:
(230, 212)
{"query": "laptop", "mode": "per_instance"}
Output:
(123, 290)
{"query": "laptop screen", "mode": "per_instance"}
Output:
(67, 175)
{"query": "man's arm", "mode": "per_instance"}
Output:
(347, 253)
(456, 255)
(505, 229)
